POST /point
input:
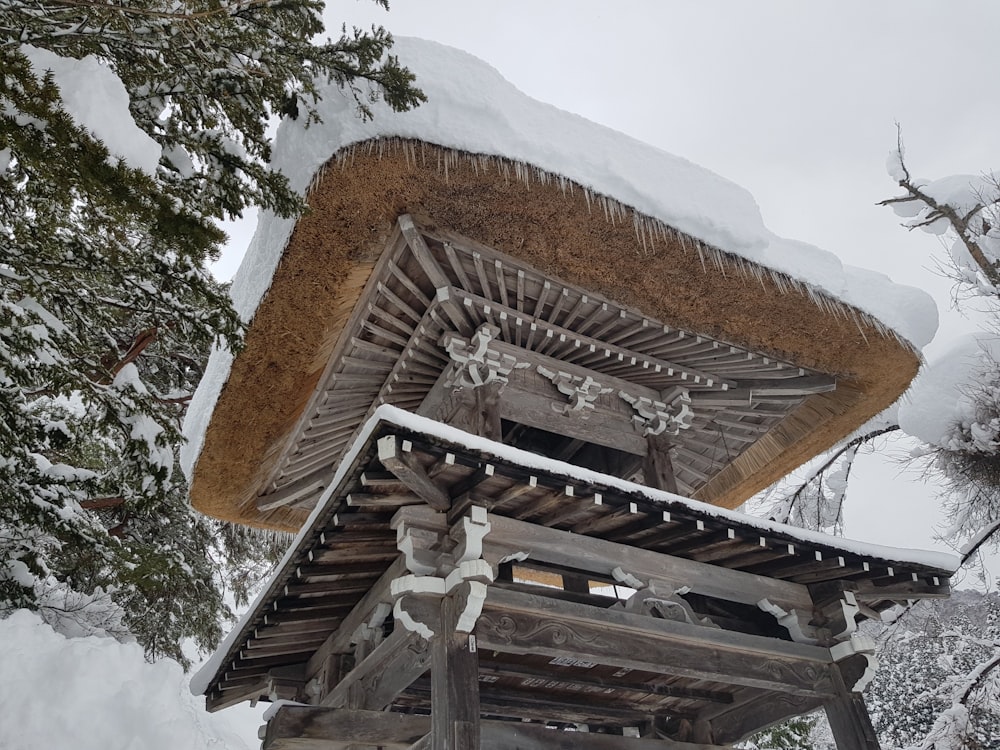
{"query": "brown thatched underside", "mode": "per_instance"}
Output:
(560, 232)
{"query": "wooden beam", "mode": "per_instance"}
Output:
(306, 487)
(340, 640)
(805, 385)
(388, 670)
(405, 467)
(658, 468)
(312, 728)
(589, 554)
(756, 712)
(519, 623)
(849, 720)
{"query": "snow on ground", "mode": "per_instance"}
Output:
(471, 107)
(96, 100)
(95, 693)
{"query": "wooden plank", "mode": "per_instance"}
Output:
(519, 623)
(313, 728)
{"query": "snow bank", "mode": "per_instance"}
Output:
(95, 694)
(96, 99)
(472, 108)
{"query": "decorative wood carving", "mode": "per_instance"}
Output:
(581, 392)
(655, 417)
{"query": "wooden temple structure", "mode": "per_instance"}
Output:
(507, 416)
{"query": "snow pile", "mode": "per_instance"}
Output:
(96, 100)
(472, 108)
(941, 406)
(96, 693)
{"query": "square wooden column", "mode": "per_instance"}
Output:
(849, 720)
(454, 685)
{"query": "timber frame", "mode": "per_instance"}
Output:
(454, 592)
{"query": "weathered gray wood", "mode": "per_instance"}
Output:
(589, 554)
(312, 728)
(408, 470)
(805, 385)
(658, 468)
(668, 691)
(307, 487)
(388, 670)
(519, 623)
(585, 342)
(755, 711)
(454, 685)
(849, 720)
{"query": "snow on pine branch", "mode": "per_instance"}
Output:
(968, 206)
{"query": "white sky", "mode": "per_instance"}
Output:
(795, 101)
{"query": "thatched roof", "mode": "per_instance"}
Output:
(673, 279)
(655, 237)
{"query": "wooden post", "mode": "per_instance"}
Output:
(658, 468)
(849, 720)
(454, 685)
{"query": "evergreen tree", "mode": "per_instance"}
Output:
(106, 310)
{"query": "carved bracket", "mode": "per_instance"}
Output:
(862, 669)
(661, 417)
(474, 362)
(442, 566)
(582, 392)
(794, 621)
(651, 599)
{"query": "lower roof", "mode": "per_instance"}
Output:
(349, 542)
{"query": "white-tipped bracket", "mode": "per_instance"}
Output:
(473, 595)
(418, 585)
(470, 534)
(858, 645)
(797, 625)
(407, 621)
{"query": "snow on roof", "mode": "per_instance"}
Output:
(392, 415)
(472, 108)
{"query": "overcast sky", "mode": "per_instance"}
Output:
(796, 101)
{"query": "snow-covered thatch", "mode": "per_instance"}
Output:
(574, 199)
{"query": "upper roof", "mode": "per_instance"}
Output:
(543, 195)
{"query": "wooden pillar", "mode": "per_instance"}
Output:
(658, 468)
(849, 719)
(454, 685)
